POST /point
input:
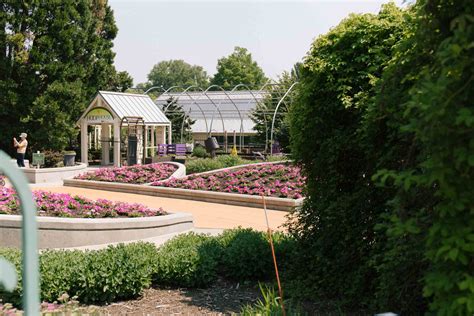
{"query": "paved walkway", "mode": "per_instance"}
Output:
(206, 215)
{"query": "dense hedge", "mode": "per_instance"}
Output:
(118, 272)
(383, 127)
(123, 271)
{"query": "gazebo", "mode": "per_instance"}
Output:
(112, 114)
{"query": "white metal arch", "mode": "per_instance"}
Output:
(274, 116)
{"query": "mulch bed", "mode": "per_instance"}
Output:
(223, 298)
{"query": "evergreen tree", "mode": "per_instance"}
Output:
(180, 121)
(54, 57)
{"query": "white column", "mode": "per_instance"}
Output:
(152, 136)
(105, 137)
(117, 161)
(160, 135)
(169, 134)
(146, 142)
(84, 146)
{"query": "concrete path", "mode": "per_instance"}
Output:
(206, 215)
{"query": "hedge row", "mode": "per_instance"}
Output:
(383, 126)
(124, 271)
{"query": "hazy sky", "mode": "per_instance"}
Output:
(277, 33)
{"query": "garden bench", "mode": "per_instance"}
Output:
(162, 149)
(180, 149)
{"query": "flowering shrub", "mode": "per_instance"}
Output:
(65, 205)
(137, 174)
(277, 180)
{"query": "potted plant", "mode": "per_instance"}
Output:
(69, 158)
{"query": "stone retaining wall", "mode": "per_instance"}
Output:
(58, 232)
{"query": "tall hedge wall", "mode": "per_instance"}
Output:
(383, 126)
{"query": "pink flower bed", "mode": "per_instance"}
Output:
(277, 180)
(65, 205)
(137, 174)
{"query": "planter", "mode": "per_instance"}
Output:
(50, 175)
(69, 159)
(60, 232)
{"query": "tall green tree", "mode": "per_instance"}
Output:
(176, 72)
(238, 67)
(54, 57)
(181, 122)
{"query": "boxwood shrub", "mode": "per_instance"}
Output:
(246, 255)
(123, 271)
(100, 276)
(188, 260)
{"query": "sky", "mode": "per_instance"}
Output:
(277, 33)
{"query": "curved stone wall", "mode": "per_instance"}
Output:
(59, 232)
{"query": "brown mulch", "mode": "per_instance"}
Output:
(223, 298)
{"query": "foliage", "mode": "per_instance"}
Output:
(262, 114)
(237, 68)
(270, 305)
(200, 152)
(385, 138)
(52, 158)
(336, 225)
(188, 260)
(101, 276)
(246, 255)
(207, 164)
(438, 117)
(169, 73)
(55, 57)
(181, 122)
(123, 271)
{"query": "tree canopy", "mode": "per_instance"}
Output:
(238, 67)
(54, 57)
(177, 72)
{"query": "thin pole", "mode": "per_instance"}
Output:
(274, 257)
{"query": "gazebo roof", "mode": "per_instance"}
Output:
(129, 104)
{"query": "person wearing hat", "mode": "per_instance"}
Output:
(20, 149)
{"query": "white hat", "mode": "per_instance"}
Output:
(23, 135)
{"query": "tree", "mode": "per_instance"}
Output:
(236, 68)
(54, 57)
(120, 82)
(170, 73)
(262, 114)
(180, 121)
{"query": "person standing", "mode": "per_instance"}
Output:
(20, 149)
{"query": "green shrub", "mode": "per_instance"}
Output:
(202, 165)
(208, 164)
(340, 149)
(200, 152)
(101, 276)
(246, 255)
(188, 260)
(53, 158)
(118, 272)
(12, 255)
